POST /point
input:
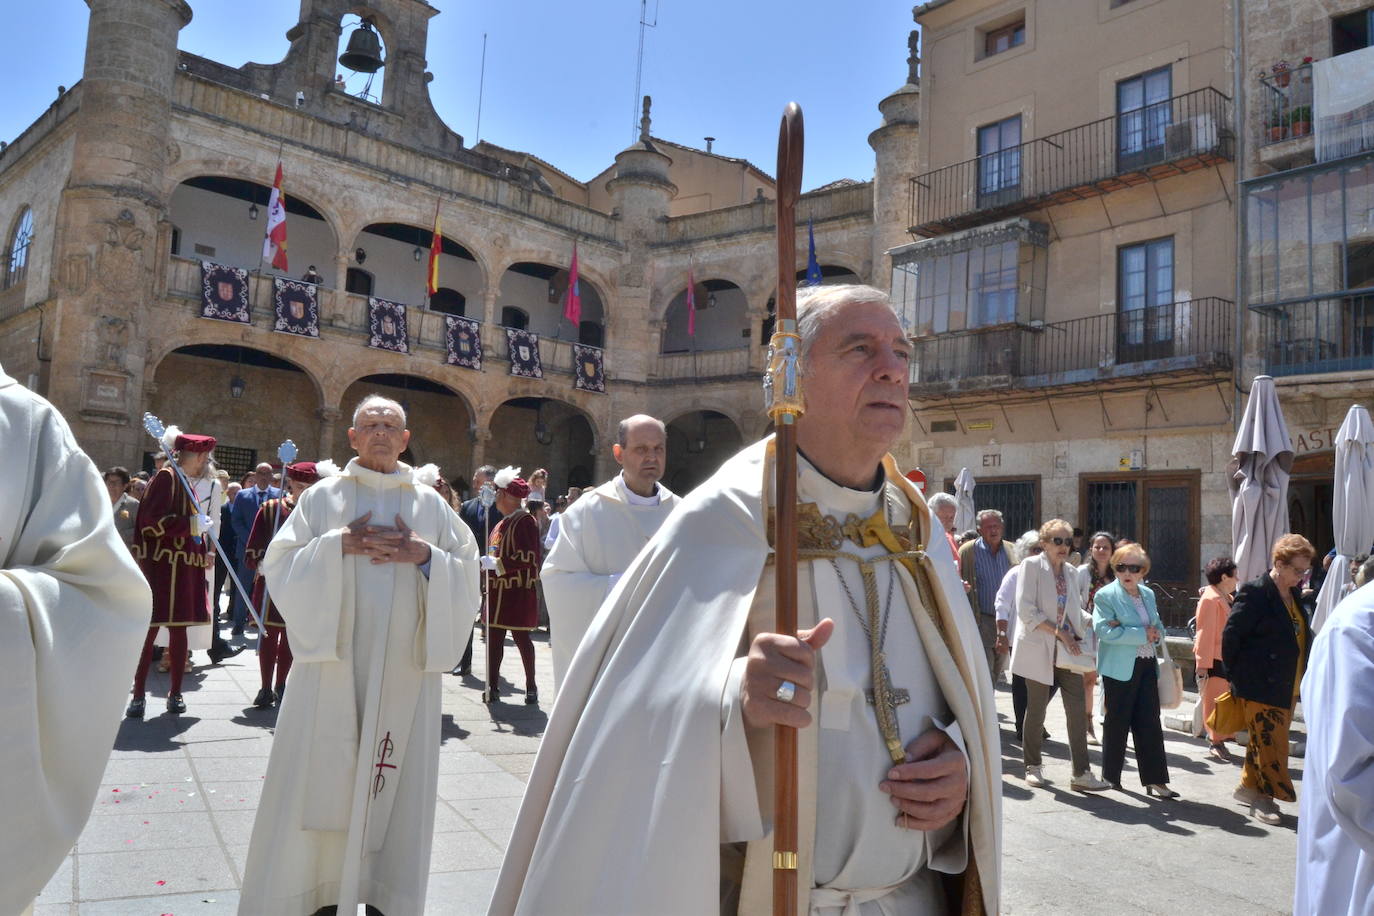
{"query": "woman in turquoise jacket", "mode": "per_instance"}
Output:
(1128, 630)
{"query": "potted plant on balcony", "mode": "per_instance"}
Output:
(1300, 121)
(1281, 74)
(1278, 127)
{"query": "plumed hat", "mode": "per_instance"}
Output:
(174, 440)
(509, 479)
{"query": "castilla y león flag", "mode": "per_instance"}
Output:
(274, 243)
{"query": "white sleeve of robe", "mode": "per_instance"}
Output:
(1350, 782)
(304, 569)
(74, 609)
(566, 574)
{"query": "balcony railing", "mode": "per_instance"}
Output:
(1312, 338)
(346, 315)
(703, 364)
(1176, 135)
(1195, 334)
(1286, 98)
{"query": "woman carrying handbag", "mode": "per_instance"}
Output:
(1052, 633)
(1129, 631)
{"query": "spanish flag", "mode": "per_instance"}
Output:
(436, 246)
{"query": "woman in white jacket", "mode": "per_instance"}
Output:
(1050, 597)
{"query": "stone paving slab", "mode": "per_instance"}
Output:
(189, 787)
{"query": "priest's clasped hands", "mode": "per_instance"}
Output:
(384, 543)
(929, 790)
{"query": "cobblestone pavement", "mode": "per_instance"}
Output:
(170, 827)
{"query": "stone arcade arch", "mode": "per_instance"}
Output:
(222, 218)
(540, 291)
(532, 433)
(699, 442)
(194, 388)
(442, 423)
(722, 319)
(397, 254)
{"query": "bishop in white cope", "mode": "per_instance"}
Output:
(600, 534)
(658, 755)
(376, 578)
(1336, 814)
(74, 609)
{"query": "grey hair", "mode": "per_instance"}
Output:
(815, 304)
(378, 401)
(1366, 572)
(942, 499)
(988, 513)
(1024, 544)
(622, 434)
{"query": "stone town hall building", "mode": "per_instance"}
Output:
(158, 160)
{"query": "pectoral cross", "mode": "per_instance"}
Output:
(884, 698)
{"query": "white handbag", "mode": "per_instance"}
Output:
(1170, 679)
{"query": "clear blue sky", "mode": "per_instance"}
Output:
(560, 73)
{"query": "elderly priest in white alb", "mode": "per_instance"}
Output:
(658, 756)
(376, 578)
(601, 533)
(73, 611)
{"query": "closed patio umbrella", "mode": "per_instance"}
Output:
(1261, 458)
(963, 492)
(1352, 510)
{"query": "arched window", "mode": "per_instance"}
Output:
(18, 260)
(358, 281)
(448, 301)
(512, 317)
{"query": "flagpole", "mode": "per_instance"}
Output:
(262, 242)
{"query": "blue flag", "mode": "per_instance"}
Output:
(813, 268)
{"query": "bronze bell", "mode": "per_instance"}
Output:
(364, 52)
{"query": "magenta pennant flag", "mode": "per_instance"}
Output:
(572, 308)
(691, 303)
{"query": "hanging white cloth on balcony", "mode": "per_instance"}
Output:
(1343, 103)
(1352, 510)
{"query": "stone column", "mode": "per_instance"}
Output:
(329, 418)
(109, 220)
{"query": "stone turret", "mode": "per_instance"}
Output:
(894, 145)
(642, 194)
(111, 221)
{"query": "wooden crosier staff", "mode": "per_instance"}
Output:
(782, 389)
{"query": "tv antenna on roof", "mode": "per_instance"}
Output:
(639, 62)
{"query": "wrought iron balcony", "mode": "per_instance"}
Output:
(1177, 135)
(1286, 97)
(1318, 337)
(1180, 336)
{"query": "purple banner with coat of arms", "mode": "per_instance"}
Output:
(223, 292)
(386, 325)
(589, 367)
(296, 306)
(524, 354)
(463, 340)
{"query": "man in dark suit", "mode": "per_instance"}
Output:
(241, 514)
(483, 521)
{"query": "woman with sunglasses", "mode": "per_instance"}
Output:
(1128, 630)
(1098, 571)
(1050, 596)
